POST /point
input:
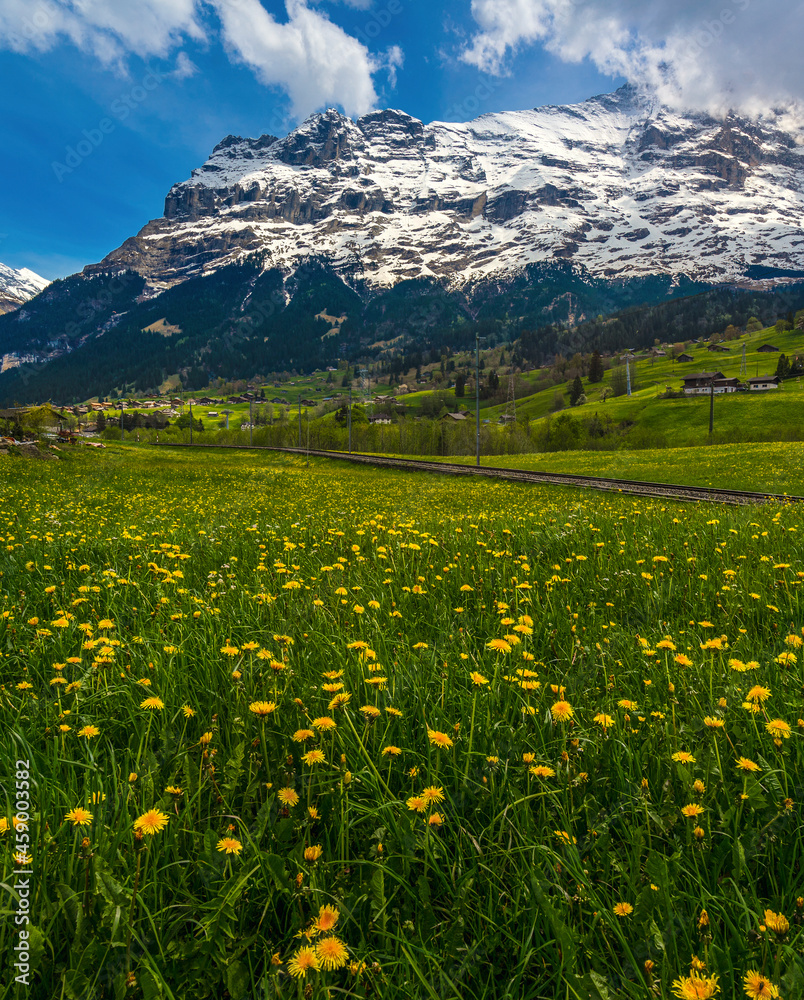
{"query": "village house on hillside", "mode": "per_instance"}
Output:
(761, 382)
(702, 383)
(767, 349)
(684, 358)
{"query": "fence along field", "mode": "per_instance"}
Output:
(341, 732)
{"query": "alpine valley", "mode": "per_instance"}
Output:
(359, 238)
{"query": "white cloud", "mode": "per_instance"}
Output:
(309, 56)
(313, 59)
(713, 54)
(108, 29)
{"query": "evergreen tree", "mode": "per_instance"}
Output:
(460, 386)
(783, 367)
(596, 370)
(576, 390)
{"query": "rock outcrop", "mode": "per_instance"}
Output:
(617, 184)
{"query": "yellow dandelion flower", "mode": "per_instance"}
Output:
(229, 845)
(151, 822)
(262, 709)
(304, 960)
(288, 797)
(331, 953)
(79, 817)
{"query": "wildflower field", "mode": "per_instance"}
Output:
(271, 731)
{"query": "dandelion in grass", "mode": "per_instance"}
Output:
(187, 712)
(331, 953)
(777, 922)
(391, 751)
(693, 810)
(370, 713)
(623, 909)
(152, 704)
(304, 960)
(262, 709)
(562, 711)
(339, 701)
(759, 987)
(435, 819)
(499, 646)
(151, 822)
(478, 679)
(682, 660)
(229, 845)
(745, 764)
(79, 817)
(417, 803)
(541, 771)
(327, 917)
(695, 987)
(711, 722)
(565, 837)
(758, 693)
(603, 720)
(89, 732)
(324, 723)
(438, 739)
(288, 797)
(312, 854)
(778, 728)
(301, 735)
(683, 757)
(313, 757)
(433, 794)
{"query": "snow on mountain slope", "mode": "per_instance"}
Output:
(16, 287)
(617, 183)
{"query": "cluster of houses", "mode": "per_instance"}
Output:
(703, 383)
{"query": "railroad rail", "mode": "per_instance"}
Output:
(668, 491)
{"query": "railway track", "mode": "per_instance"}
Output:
(662, 490)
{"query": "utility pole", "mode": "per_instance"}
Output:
(628, 374)
(122, 428)
(711, 407)
(300, 444)
(477, 399)
(250, 425)
(349, 416)
(191, 423)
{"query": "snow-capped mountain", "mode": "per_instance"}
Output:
(618, 184)
(17, 287)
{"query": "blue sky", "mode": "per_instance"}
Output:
(54, 221)
(107, 103)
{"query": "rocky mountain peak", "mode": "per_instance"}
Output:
(617, 184)
(18, 286)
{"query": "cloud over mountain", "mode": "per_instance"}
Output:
(704, 54)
